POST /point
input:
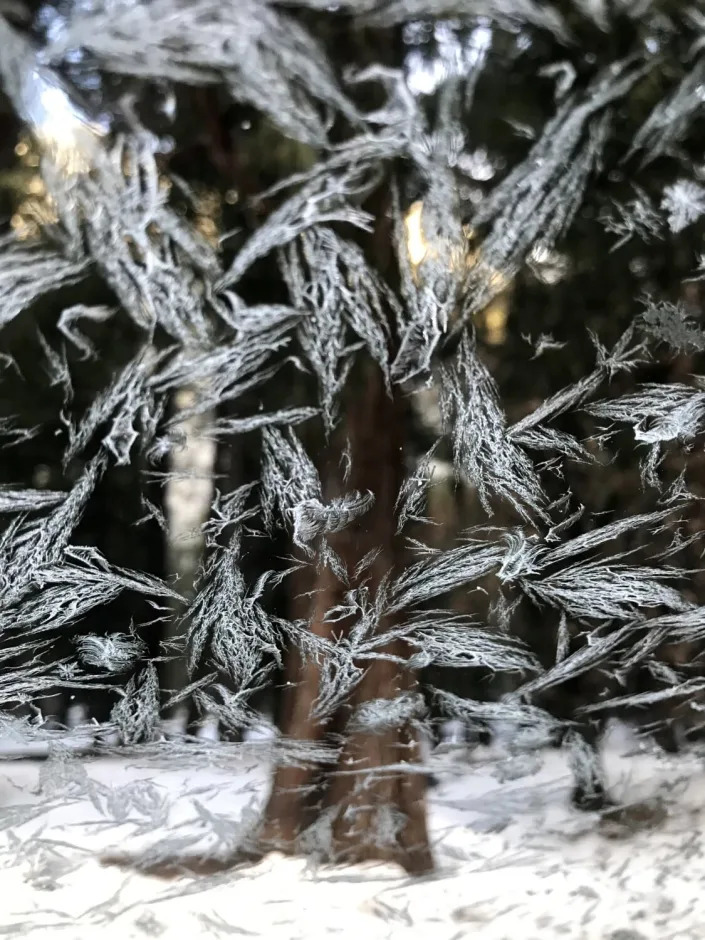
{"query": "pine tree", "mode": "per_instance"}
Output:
(407, 213)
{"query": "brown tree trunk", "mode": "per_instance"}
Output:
(358, 794)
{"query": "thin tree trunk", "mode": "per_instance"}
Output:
(187, 502)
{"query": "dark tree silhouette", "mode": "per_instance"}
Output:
(422, 274)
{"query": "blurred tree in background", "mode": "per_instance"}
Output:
(352, 351)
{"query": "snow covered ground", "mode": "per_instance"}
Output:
(514, 860)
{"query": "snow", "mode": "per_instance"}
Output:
(514, 859)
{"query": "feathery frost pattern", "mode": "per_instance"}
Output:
(410, 514)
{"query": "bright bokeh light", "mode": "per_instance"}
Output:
(63, 132)
(416, 243)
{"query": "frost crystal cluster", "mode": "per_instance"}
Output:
(351, 378)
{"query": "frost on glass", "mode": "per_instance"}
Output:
(393, 509)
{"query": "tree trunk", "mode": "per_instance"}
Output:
(355, 803)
